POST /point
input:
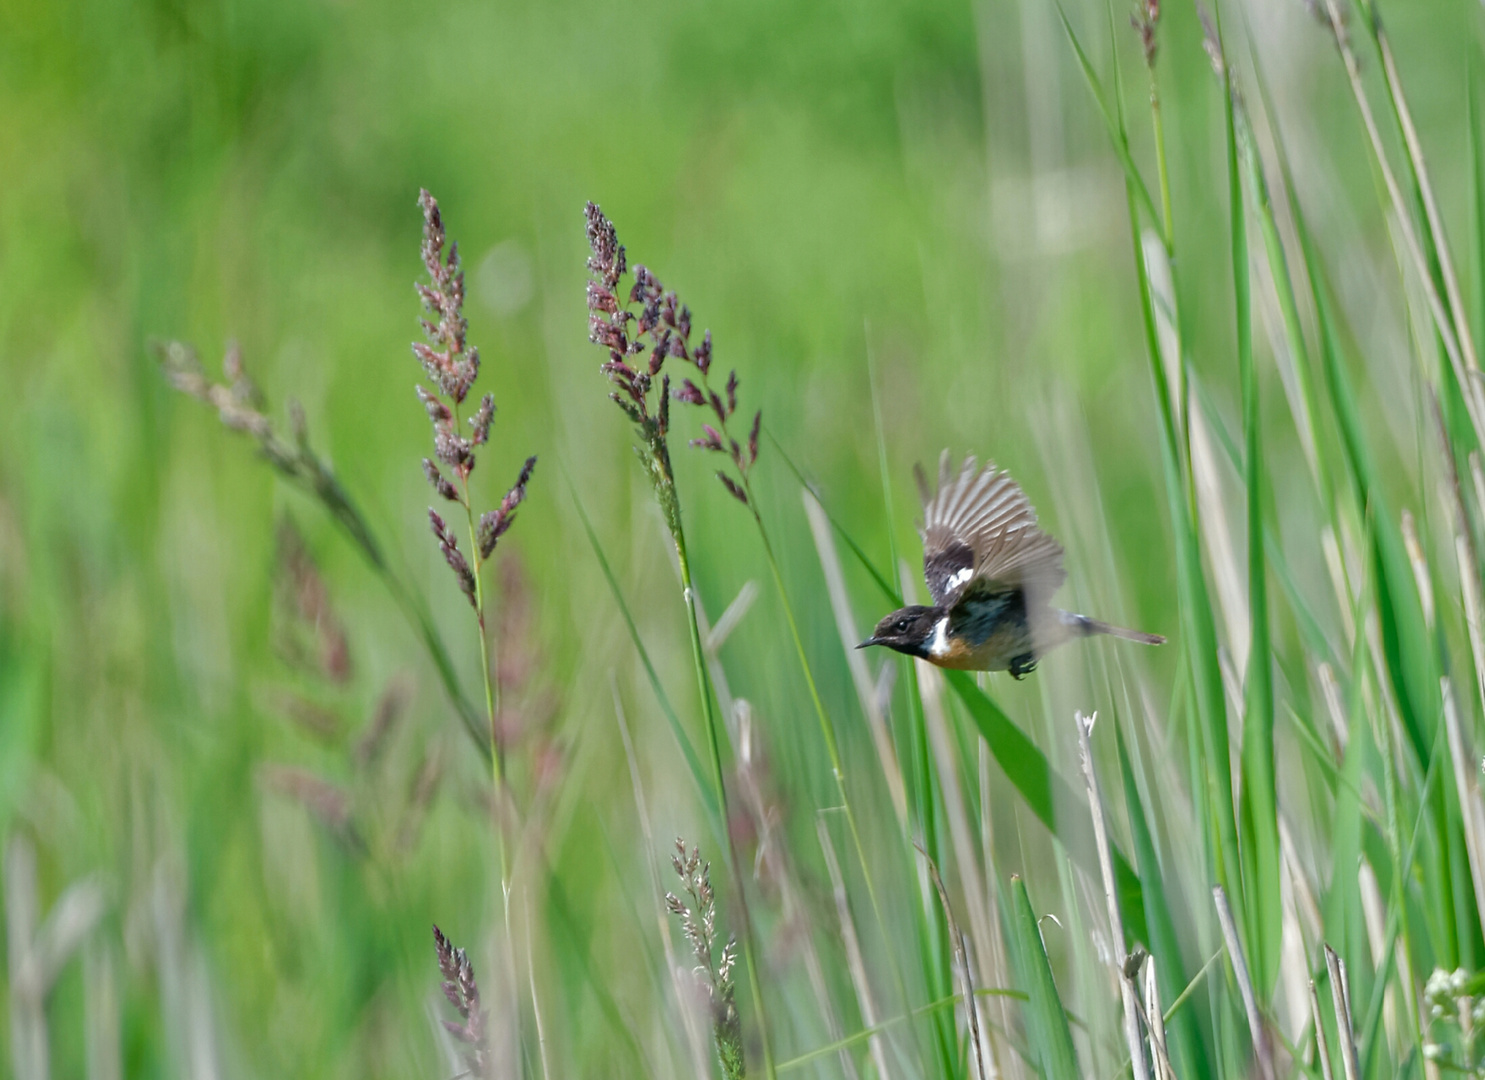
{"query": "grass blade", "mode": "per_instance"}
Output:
(1127, 991)
(1044, 791)
(1114, 124)
(1184, 1032)
(1262, 1048)
(698, 774)
(1259, 811)
(1046, 1020)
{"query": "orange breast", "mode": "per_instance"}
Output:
(995, 654)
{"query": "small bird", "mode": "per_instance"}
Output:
(991, 573)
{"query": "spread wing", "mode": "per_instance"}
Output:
(980, 528)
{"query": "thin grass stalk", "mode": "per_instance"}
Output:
(1113, 120)
(1322, 1046)
(1340, 996)
(827, 726)
(835, 586)
(688, 752)
(1284, 290)
(1215, 790)
(541, 1031)
(855, 963)
(499, 793)
(1216, 801)
(772, 856)
(962, 954)
(1258, 798)
(1443, 320)
(1393, 793)
(1469, 586)
(1046, 1019)
(1432, 218)
(1469, 797)
(713, 738)
(1155, 1024)
(1146, 21)
(1262, 1047)
(1128, 993)
(694, 1039)
(1162, 170)
(981, 907)
(934, 930)
(903, 1018)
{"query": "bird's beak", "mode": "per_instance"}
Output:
(868, 641)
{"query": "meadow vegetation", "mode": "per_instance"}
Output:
(593, 781)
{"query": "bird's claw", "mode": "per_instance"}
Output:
(1022, 666)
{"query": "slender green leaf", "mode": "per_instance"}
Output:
(864, 1034)
(1213, 801)
(1165, 947)
(1111, 121)
(1259, 837)
(698, 774)
(1046, 1021)
(1045, 791)
(883, 582)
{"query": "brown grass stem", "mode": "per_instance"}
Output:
(1262, 1046)
(1317, 1023)
(1128, 992)
(1340, 996)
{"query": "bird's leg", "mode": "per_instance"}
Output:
(1022, 666)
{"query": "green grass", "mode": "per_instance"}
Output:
(1222, 326)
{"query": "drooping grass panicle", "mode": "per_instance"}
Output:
(698, 915)
(240, 407)
(463, 993)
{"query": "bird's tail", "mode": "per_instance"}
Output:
(1088, 627)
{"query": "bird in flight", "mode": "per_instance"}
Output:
(991, 573)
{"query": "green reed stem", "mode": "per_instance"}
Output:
(827, 729)
(497, 766)
(932, 925)
(827, 726)
(713, 742)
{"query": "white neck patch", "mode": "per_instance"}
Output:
(938, 645)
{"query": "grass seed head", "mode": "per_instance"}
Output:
(463, 993)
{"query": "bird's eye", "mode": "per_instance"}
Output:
(901, 627)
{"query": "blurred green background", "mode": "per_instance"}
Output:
(920, 193)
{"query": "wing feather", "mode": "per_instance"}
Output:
(980, 527)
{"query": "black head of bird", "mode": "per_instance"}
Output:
(991, 573)
(908, 630)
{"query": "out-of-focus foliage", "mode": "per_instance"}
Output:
(230, 775)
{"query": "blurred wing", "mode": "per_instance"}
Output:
(980, 527)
